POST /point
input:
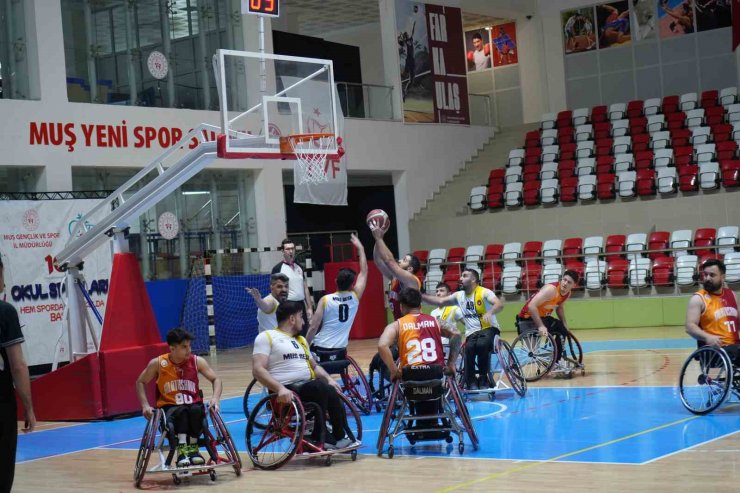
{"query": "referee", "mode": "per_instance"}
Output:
(297, 285)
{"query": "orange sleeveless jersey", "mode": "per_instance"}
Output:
(719, 317)
(177, 384)
(393, 292)
(419, 340)
(546, 308)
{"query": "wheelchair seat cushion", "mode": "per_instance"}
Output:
(332, 360)
(422, 383)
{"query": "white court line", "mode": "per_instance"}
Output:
(689, 448)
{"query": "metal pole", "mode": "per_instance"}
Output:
(75, 315)
(215, 222)
(9, 78)
(204, 58)
(167, 47)
(131, 41)
(180, 212)
(92, 75)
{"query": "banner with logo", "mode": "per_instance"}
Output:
(31, 233)
(431, 51)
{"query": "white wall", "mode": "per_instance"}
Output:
(367, 38)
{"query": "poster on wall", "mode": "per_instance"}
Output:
(432, 63)
(643, 19)
(505, 51)
(675, 18)
(478, 50)
(579, 33)
(31, 233)
(713, 14)
(613, 21)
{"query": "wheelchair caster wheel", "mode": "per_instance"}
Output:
(390, 452)
(461, 447)
(353, 455)
(176, 479)
(212, 475)
(327, 461)
(491, 396)
(412, 441)
(448, 439)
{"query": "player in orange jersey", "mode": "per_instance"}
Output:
(711, 317)
(178, 394)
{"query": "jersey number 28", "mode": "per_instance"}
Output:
(421, 352)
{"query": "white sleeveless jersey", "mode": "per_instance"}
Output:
(340, 309)
(268, 321)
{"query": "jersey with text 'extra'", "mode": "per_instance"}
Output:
(419, 340)
(177, 384)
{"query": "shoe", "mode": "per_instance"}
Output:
(194, 455)
(182, 456)
(344, 443)
(473, 386)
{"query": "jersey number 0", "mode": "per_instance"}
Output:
(421, 352)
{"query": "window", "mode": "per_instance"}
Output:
(14, 52)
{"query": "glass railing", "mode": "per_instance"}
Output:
(481, 111)
(370, 101)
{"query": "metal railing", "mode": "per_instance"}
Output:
(371, 101)
(530, 273)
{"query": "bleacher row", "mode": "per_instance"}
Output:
(639, 148)
(637, 260)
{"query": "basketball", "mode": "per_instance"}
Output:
(379, 214)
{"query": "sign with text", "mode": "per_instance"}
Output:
(432, 63)
(31, 232)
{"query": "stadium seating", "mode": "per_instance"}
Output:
(680, 239)
(658, 240)
(732, 264)
(686, 270)
(704, 237)
(726, 236)
(663, 271)
(511, 253)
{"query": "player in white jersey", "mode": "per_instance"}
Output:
(267, 306)
(336, 312)
(449, 316)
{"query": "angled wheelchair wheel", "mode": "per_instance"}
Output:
(462, 412)
(357, 388)
(573, 352)
(706, 379)
(256, 391)
(224, 438)
(146, 447)
(387, 418)
(511, 367)
(535, 354)
(272, 445)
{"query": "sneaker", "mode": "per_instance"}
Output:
(344, 443)
(182, 456)
(473, 386)
(194, 455)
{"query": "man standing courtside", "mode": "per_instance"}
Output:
(297, 285)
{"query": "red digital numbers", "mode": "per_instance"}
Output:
(51, 264)
(264, 7)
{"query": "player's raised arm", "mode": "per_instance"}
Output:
(267, 306)
(435, 300)
(361, 280)
(406, 278)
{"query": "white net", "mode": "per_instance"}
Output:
(311, 156)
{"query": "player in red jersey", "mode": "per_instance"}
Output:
(178, 394)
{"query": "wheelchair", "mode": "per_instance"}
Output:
(155, 435)
(505, 364)
(536, 353)
(708, 378)
(276, 432)
(354, 383)
(419, 410)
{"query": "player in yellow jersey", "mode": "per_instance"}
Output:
(711, 316)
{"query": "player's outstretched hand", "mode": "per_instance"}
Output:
(356, 241)
(214, 404)
(375, 229)
(254, 292)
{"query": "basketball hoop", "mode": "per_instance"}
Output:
(311, 154)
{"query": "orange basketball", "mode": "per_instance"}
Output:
(380, 216)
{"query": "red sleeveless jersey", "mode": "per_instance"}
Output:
(419, 340)
(177, 384)
(393, 292)
(546, 308)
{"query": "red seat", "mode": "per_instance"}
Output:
(568, 189)
(565, 119)
(452, 276)
(605, 189)
(683, 155)
(531, 191)
(644, 159)
(704, 237)
(730, 173)
(638, 126)
(614, 243)
(532, 139)
(455, 254)
(616, 273)
(722, 132)
(675, 120)
(532, 155)
(573, 246)
(493, 252)
(604, 164)
(709, 256)
(714, 115)
(670, 104)
(663, 271)
(566, 135)
(634, 108)
(566, 169)
(687, 181)
(599, 114)
(496, 190)
(531, 274)
(567, 151)
(602, 130)
(709, 99)
(497, 174)
(531, 172)
(532, 249)
(423, 256)
(680, 137)
(604, 146)
(640, 142)
(658, 240)
(726, 150)
(646, 182)
(492, 275)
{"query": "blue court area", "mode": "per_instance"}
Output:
(623, 425)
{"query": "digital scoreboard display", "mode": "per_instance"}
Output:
(263, 7)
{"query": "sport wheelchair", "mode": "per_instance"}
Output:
(708, 378)
(419, 409)
(536, 353)
(275, 432)
(354, 383)
(155, 435)
(505, 364)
